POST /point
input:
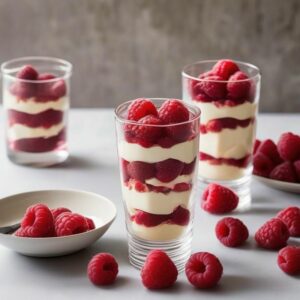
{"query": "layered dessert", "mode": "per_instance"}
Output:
(36, 106)
(158, 150)
(228, 100)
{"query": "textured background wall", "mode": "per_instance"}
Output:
(123, 49)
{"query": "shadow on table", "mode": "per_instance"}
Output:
(77, 162)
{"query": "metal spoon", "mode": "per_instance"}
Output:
(9, 229)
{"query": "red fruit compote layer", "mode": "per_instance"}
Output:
(228, 99)
(158, 163)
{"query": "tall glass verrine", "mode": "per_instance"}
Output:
(157, 180)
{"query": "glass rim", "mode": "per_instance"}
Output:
(185, 74)
(67, 68)
(131, 122)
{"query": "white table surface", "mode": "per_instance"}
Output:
(249, 273)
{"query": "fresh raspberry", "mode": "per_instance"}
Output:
(180, 216)
(27, 72)
(291, 218)
(238, 85)
(284, 172)
(173, 111)
(45, 76)
(37, 222)
(102, 269)
(203, 270)
(124, 166)
(58, 211)
(272, 235)
(213, 86)
(225, 68)
(289, 146)
(23, 90)
(218, 199)
(166, 142)
(262, 165)
(182, 187)
(168, 170)
(148, 219)
(297, 169)
(140, 108)
(90, 222)
(256, 145)
(289, 260)
(189, 168)
(179, 133)
(159, 271)
(231, 232)
(140, 170)
(58, 89)
(70, 223)
(150, 130)
(269, 148)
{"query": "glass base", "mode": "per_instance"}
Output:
(39, 160)
(178, 250)
(240, 186)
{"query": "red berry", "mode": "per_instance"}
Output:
(269, 148)
(140, 108)
(284, 172)
(238, 85)
(90, 222)
(37, 222)
(148, 219)
(289, 260)
(124, 165)
(225, 68)
(102, 269)
(289, 146)
(23, 90)
(189, 168)
(58, 89)
(173, 111)
(213, 86)
(203, 270)
(27, 72)
(45, 76)
(180, 216)
(297, 169)
(291, 218)
(58, 211)
(168, 170)
(218, 199)
(256, 145)
(231, 232)
(70, 223)
(140, 170)
(179, 133)
(159, 271)
(262, 165)
(272, 235)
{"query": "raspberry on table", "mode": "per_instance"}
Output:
(27, 72)
(213, 86)
(289, 260)
(159, 271)
(225, 68)
(140, 170)
(173, 111)
(168, 169)
(284, 172)
(37, 222)
(290, 216)
(289, 146)
(269, 148)
(57, 211)
(203, 270)
(102, 269)
(70, 223)
(238, 86)
(140, 108)
(272, 235)
(262, 165)
(231, 232)
(218, 199)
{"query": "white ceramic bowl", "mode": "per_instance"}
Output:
(95, 206)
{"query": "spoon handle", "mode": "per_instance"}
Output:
(9, 229)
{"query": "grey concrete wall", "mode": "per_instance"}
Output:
(123, 49)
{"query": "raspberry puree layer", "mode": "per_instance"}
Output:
(225, 123)
(240, 163)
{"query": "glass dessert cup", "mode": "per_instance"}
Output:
(36, 110)
(228, 124)
(158, 212)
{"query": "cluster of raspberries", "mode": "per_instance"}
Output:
(279, 162)
(41, 221)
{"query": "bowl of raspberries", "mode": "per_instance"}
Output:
(53, 222)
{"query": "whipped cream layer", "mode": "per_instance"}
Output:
(220, 171)
(209, 111)
(185, 152)
(162, 232)
(228, 143)
(179, 179)
(30, 106)
(155, 203)
(18, 131)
